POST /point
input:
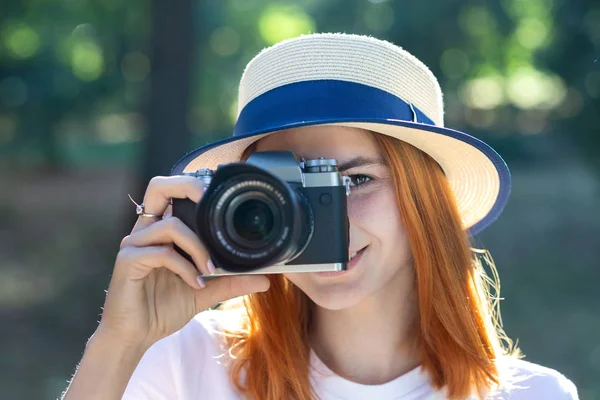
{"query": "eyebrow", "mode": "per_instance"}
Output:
(359, 162)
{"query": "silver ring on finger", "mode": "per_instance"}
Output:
(141, 211)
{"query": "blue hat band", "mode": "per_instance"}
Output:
(323, 101)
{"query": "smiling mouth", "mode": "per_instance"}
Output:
(352, 255)
(350, 265)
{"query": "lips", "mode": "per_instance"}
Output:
(354, 258)
(353, 254)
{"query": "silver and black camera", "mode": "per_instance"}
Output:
(271, 214)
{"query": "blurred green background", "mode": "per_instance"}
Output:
(98, 96)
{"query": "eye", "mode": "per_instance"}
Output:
(359, 180)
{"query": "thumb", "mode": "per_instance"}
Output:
(228, 287)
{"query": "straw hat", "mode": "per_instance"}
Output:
(363, 82)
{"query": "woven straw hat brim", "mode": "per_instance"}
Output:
(477, 175)
(360, 81)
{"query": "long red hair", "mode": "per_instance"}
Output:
(458, 333)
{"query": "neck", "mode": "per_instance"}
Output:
(372, 342)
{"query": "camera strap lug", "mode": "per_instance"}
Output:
(346, 180)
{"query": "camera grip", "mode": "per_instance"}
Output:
(185, 210)
(329, 243)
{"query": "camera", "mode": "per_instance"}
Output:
(271, 214)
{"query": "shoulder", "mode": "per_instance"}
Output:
(182, 364)
(525, 380)
(201, 342)
(206, 333)
(199, 337)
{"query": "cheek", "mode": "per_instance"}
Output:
(375, 212)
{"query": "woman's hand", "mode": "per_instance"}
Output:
(154, 291)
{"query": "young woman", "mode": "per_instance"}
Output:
(414, 315)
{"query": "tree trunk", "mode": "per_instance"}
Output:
(168, 137)
(172, 55)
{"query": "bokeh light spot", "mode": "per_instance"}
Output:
(517, 58)
(454, 63)
(224, 41)
(119, 128)
(484, 93)
(480, 118)
(530, 88)
(528, 8)
(87, 60)
(379, 17)
(532, 33)
(20, 40)
(280, 22)
(84, 30)
(477, 21)
(531, 122)
(135, 66)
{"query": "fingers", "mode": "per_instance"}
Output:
(162, 189)
(137, 263)
(228, 287)
(168, 231)
(149, 245)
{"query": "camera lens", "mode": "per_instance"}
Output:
(253, 221)
(250, 219)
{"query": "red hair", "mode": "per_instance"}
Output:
(458, 333)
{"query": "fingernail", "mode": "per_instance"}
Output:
(200, 281)
(211, 267)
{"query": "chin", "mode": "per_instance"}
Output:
(336, 302)
(335, 291)
(332, 296)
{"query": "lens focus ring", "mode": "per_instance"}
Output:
(251, 219)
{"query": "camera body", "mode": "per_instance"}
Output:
(271, 214)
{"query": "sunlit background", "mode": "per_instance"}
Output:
(98, 96)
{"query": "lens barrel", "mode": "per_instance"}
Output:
(252, 219)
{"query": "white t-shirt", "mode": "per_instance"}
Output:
(191, 365)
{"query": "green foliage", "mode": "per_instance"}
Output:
(279, 22)
(501, 66)
(75, 82)
(20, 40)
